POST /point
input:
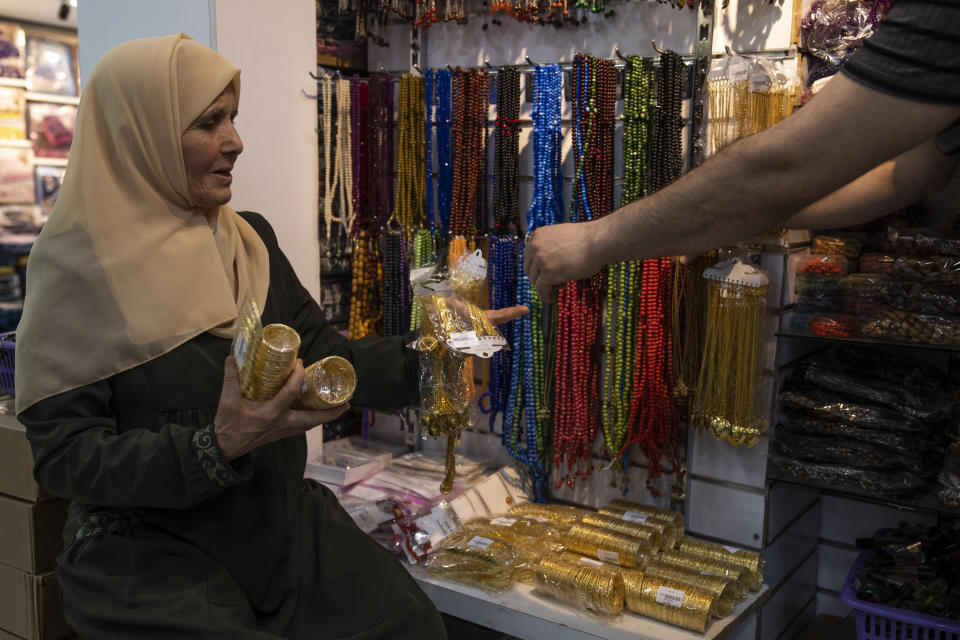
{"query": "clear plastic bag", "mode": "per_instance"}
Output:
(877, 263)
(560, 515)
(819, 303)
(595, 588)
(921, 241)
(833, 29)
(821, 404)
(921, 406)
(811, 285)
(879, 483)
(905, 326)
(849, 248)
(935, 298)
(928, 268)
(473, 559)
(865, 285)
(822, 264)
(880, 365)
(907, 443)
(844, 451)
(530, 538)
(833, 326)
(949, 476)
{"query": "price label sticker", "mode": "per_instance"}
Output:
(669, 596)
(731, 549)
(590, 562)
(539, 518)
(480, 542)
(635, 516)
(608, 556)
(503, 522)
(759, 82)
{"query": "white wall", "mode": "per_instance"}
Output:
(274, 45)
(103, 24)
(277, 175)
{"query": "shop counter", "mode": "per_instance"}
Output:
(521, 613)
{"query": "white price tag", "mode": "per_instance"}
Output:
(240, 349)
(608, 556)
(480, 542)
(503, 522)
(474, 264)
(469, 342)
(759, 82)
(672, 597)
(539, 518)
(590, 562)
(635, 516)
(731, 549)
(738, 72)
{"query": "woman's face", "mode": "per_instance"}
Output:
(211, 145)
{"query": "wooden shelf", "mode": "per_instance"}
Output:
(521, 613)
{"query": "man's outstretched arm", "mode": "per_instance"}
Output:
(751, 186)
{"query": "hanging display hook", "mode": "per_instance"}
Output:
(530, 62)
(656, 48)
(620, 55)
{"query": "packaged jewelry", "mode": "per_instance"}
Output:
(881, 263)
(50, 66)
(328, 383)
(750, 560)
(608, 546)
(935, 298)
(836, 325)
(888, 483)
(742, 576)
(924, 241)
(668, 531)
(530, 537)
(905, 326)
(849, 248)
(728, 593)
(560, 515)
(591, 585)
(928, 268)
(847, 452)
(473, 559)
(667, 600)
(725, 398)
(265, 355)
(949, 476)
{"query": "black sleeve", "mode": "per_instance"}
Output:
(80, 455)
(387, 371)
(914, 54)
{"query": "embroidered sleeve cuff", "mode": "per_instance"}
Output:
(215, 465)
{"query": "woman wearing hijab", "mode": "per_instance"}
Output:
(189, 517)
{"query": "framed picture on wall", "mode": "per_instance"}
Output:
(49, 66)
(16, 176)
(48, 180)
(12, 52)
(50, 128)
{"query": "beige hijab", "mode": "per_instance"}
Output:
(126, 267)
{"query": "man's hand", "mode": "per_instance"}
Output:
(559, 253)
(242, 425)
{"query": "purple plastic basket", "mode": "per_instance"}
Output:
(880, 622)
(7, 347)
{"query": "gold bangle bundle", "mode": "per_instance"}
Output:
(596, 589)
(667, 600)
(649, 535)
(275, 358)
(476, 560)
(247, 342)
(669, 533)
(328, 383)
(608, 546)
(741, 576)
(749, 560)
(530, 539)
(674, 517)
(561, 515)
(727, 593)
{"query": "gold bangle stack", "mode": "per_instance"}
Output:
(275, 358)
(669, 533)
(633, 529)
(608, 546)
(328, 383)
(561, 515)
(597, 589)
(749, 560)
(667, 600)
(727, 593)
(465, 557)
(674, 517)
(741, 576)
(530, 538)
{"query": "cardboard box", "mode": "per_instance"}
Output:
(16, 462)
(30, 605)
(31, 537)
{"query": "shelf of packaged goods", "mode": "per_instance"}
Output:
(17, 144)
(19, 83)
(804, 335)
(522, 613)
(49, 162)
(36, 96)
(925, 501)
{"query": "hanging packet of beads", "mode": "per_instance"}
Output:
(728, 85)
(725, 399)
(833, 29)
